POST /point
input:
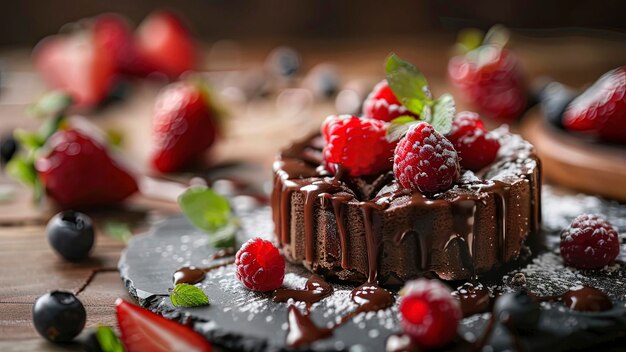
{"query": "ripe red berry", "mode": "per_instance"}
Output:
(492, 80)
(430, 315)
(382, 104)
(356, 144)
(590, 242)
(425, 160)
(601, 110)
(476, 146)
(259, 266)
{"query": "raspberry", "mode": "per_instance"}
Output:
(590, 242)
(259, 266)
(425, 160)
(476, 147)
(382, 104)
(430, 315)
(358, 145)
(601, 110)
(492, 80)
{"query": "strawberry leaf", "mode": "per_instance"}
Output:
(185, 295)
(211, 213)
(408, 84)
(444, 110)
(108, 341)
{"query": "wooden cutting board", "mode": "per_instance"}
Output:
(576, 162)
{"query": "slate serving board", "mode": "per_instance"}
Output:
(240, 319)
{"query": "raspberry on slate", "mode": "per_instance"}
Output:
(382, 104)
(430, 315)
(601, 110)
(356, 144)
(259, 266)
(590, 242)
(476, 146)
(425, 160)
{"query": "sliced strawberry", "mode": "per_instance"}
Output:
(113, 32)
(78, 171)
(164, 41)
(78, 65)
(183, 126)
(601, 110)
(143, 330)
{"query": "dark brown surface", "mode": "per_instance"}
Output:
(24, 252)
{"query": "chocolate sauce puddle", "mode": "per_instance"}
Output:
(314, 291)
(581, 298)
(193, 275)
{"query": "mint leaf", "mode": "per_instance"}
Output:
(30, 140)
(118, 230)
(185, 295)
(443, 113)
(408, 84)
(23, 170)
(204, 208)
(225, 236)
(108, 341)
(402, 120)
(51, 104)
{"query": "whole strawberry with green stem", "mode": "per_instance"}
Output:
(489, 76)
(184, 125)
(72, 166)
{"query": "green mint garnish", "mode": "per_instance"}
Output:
(410, 87)
(210, 212)
(108, 341)
(53, 103)
(118, 230)
(408, 84)
(185, 295)
(443, 112)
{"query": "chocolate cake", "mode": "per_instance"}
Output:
(369, 229)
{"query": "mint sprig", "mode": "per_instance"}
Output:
(108, 341)
(185, 295)
(410, 87)
(211, 213)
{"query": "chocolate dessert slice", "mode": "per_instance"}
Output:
(369, 229)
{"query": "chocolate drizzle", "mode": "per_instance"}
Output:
(581, 298)
(302, 331)
(474, 299)
(193, 275)
(314, 290)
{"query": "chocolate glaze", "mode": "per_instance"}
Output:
(193, 275)
(314, 290)
(474, 299)
(582, 298)
(368, 229)
(302, 331)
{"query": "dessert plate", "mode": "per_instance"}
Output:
(591, 167)
(240, 319)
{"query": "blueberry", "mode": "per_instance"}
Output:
(8, 148)
(284, 62)
(554, 98)
(71, 234)
(323, 80)
(59, 316)
(519, 310)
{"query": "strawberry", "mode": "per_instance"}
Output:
(183, 126)
(601, 110)
(77, 171)
(164, 41)
(113, 32)
(143, 330)
(78, 65)
(491, 78)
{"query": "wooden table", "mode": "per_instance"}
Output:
(28, 266)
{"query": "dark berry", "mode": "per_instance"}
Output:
(430, 315)
(259, 265)
(426, 161)
(518, 310)
(59, 316)
(553, 99)
(8, 148)
(590, 242)
(284, 62)
(356, 144)
(323, 80)
(71, 234)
